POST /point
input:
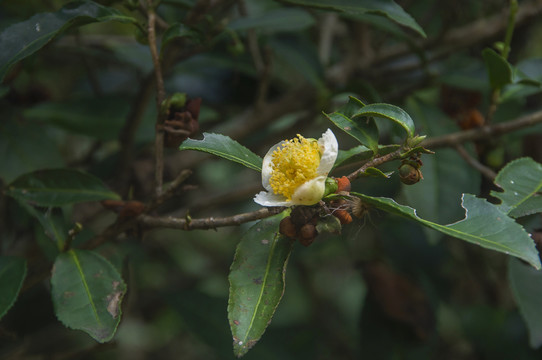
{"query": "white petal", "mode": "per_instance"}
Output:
(265, 198)
(310, 192)
(267, 166)
(328, 142)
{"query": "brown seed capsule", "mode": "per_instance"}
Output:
(343, 216)
(287, 228)
(307, 233)
(409, 174)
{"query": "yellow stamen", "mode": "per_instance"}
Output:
(294, 163)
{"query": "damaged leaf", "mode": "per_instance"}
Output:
(87, 292)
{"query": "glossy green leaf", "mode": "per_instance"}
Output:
(257, 283)
(484, 224)
(387, 8)
(521, 181)
(12, 274)
(282, 19)
(87, 292)
(59, 187)
(388, 111)
(499, 70)
(223, 146)
(25, 38)
(526, 285)
(364, 131)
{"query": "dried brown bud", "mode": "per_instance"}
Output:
(307, 233)
(343, 184)
(287, 228)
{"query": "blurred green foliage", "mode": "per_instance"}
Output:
(84, 98)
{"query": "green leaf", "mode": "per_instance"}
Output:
(526, 285)
(257, 282)
(499, 70)
(390, 112)
(59, 187)
(284, 19)
(387, 8)
(53, 223)
(484, 224)
(25, 148)
(223, 146)
(351, 107)
(365, 132)
(12, 274)
(521, 181)
(179, 30)
(87, 292)
(21, 40)
(87, 116)
(375, 172)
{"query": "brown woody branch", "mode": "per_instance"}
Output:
(484, 170)
(376, 162)
(486, 132)
(206, 223)
(160, 96)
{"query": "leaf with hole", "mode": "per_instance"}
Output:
(521, 181)
(225, 147)
(87, 292)
(257, 282)
(484, 225)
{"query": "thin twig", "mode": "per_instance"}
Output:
(484, 170)
(168, 193)
(160, 96)
(496, 93)
(206, 223)
(376, 162)
(128, 132)
(486, 132)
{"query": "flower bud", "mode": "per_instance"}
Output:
(409, 173)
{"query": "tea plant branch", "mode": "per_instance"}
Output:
(485, 132)
(484, 170)
(128, 132)
(376, 162)
(206, 223)
(168, 193)
(160, 96)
